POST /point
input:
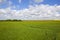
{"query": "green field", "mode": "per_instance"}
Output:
(29, 30)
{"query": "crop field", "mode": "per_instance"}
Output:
(30, 30)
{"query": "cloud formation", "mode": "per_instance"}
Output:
(2, 1)
(38, 12)
(38, 1)
(19, 1)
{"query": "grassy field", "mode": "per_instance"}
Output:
(30, 30)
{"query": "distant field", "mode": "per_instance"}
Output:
(30, 30)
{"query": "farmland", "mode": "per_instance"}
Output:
(30, 30)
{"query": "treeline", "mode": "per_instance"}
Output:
(11, 20)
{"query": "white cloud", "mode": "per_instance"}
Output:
(37, 12)
(19, 1)
(2, 1)
(38, 1)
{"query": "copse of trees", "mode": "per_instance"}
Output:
(11, 20)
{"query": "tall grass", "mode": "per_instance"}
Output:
(30, 30)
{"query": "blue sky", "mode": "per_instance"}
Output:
(26, 3)
(30, 9)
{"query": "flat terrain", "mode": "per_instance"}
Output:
(30, 30)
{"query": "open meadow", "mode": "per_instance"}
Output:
(30, 30)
